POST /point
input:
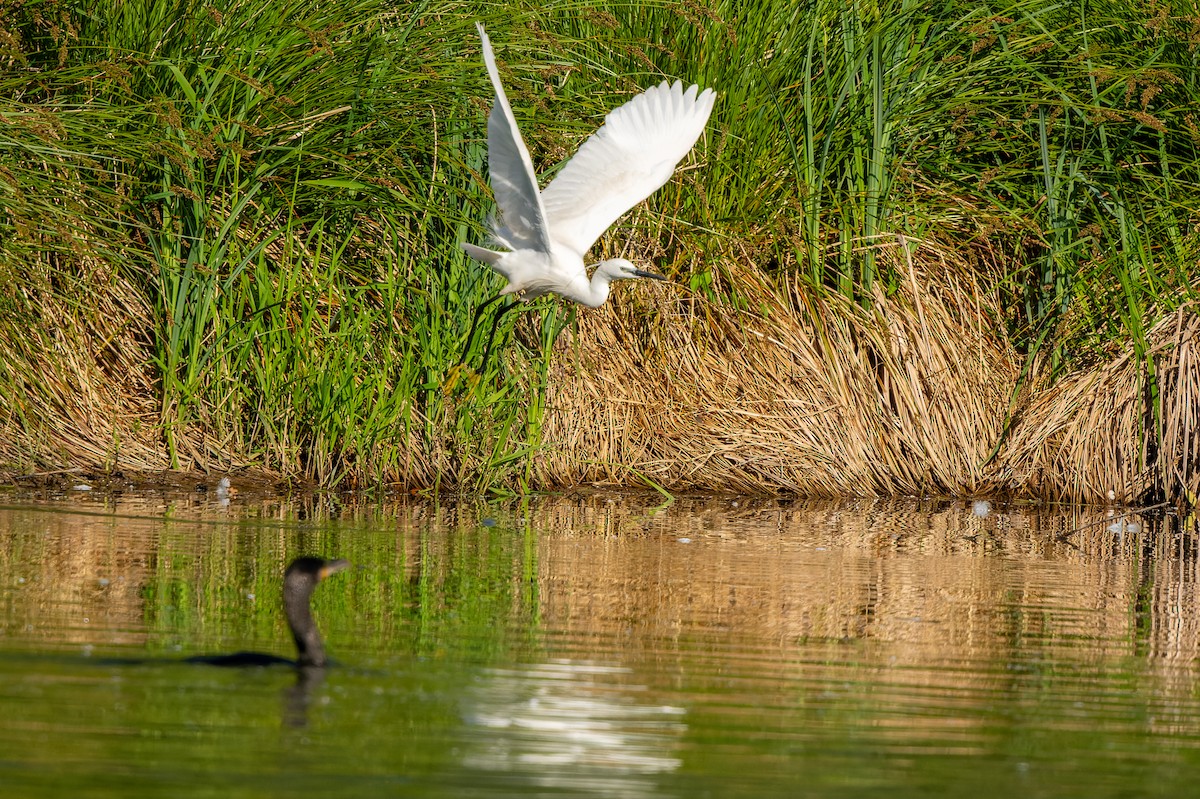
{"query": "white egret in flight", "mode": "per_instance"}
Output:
(548, 232)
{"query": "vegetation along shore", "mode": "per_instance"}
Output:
(917, 249)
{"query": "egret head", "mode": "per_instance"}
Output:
(619, 269)
(605, 273)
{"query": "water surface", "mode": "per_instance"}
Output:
(597, 646)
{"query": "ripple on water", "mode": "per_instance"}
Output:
(582, 647)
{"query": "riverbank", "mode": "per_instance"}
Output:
(948, 254)
(673, 391)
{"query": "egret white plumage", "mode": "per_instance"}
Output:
(548, 232)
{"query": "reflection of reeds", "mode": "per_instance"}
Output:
(72, 579)
(931, 586)
(931, 582)
(926, 584)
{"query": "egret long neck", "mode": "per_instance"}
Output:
(598, 287)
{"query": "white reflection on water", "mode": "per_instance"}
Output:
(574, 725)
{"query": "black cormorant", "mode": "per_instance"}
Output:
(299, 580)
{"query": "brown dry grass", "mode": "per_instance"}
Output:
(80, 363)
(822, 398)
(793, 393)
(1093, 437)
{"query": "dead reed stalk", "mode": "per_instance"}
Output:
(796, 392)
(81, 390)
(1096, 436)
(822, 398)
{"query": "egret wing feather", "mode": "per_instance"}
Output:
(522, 222)
(633, 154)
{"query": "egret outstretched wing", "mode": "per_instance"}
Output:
(624, 162)
(522, 223)
(548, 233)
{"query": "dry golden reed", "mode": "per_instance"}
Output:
(792, 392)
(1094, 436)
(84, 396)
(821, 398)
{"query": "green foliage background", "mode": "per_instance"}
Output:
(242, 218)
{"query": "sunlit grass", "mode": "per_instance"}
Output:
(229, 231)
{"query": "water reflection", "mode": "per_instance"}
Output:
(604, 646)
(574, 725)
(299, 696)
(937, 577)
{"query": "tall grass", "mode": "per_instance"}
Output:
(280, 191)
(228, 231)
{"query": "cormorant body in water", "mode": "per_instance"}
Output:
(299, 580)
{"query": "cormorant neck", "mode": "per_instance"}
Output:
(309, 649)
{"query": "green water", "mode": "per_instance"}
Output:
(597, 647)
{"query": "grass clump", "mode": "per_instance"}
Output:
(269, 197)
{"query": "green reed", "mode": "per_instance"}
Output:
(253, 210)
(283, 188)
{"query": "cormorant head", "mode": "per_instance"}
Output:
(307, 571)
(299, 580)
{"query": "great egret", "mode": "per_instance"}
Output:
(547, 233)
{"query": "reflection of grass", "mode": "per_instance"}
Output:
(792, 649)
(551, 576)
(228, 234)
(448, 594)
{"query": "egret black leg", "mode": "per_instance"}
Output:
(474, 324)
(501, 311)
